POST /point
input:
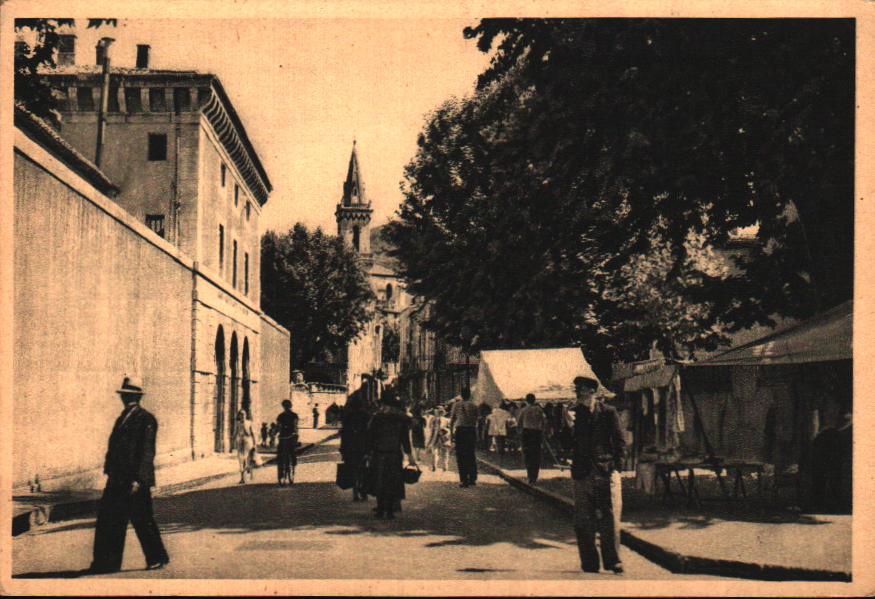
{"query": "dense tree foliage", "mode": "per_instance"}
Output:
(585, 192)
(32, 92)
(313, 284)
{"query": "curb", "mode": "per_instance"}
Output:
(673, 561)
(39, 515)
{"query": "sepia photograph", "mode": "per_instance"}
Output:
(322, 298)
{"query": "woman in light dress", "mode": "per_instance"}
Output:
(244, 441)
(438, 439)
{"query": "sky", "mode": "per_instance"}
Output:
(305, 88)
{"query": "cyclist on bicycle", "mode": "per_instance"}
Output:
(287, 427)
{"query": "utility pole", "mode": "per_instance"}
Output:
(103, 53)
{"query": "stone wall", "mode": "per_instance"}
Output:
(97, 295)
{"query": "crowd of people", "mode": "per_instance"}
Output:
(375, 438)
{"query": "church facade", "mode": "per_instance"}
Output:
(366, 356)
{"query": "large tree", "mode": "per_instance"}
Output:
(314, 285)
(580, 194)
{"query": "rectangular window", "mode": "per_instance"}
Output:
(156, 223)
(86, 99)
(236, 195)
(157, 146)
(234, 267)
(156, 100)
(133, 103)
(246, 273)
(142, 56)
(112, 105)
(66, 50)
(223, 169)
(248, 209)
(181, 99)
(221, 247)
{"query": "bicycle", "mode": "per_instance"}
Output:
(287, 460)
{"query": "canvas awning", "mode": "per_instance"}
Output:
(826, 337)
(548, 373)
(660, 377)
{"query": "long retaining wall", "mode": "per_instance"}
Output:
(98, 295)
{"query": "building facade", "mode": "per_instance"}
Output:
(160, 279)
(365, 355)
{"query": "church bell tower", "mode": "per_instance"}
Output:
(353, 213)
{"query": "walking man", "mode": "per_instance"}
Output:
(287, 430)
(130, 471)
(463, 420)
(532, 421)
(315, 417)
(598, 456)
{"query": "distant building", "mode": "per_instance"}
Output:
(154, 271)
(365, 355)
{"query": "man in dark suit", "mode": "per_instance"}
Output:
(131, 475)
(598, 458)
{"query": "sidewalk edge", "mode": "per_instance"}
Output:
(41, 514)
(673, 561)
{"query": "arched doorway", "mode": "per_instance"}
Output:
(235, 383)
(247, 400)
(219, 443)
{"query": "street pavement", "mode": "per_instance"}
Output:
(313, 530)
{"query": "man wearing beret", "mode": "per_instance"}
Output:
(127, 497)
(597, 459)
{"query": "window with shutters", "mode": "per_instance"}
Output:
(156, 223)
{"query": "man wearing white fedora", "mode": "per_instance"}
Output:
(127, 497)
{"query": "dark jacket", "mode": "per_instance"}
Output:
(389, 432)
(131, 452)
(354, 434)
(598, 441)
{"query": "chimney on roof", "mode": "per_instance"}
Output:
(143, 56)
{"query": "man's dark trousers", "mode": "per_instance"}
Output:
(466, 457)
(593, 513)
(118, 506)
(532, 452)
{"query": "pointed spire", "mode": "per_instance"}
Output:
(353, 187)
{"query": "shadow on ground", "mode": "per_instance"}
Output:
(438, 511)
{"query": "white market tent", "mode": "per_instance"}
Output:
(509, 374)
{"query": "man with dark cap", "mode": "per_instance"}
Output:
(598, 454)
(130, 471)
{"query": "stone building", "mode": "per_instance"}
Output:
(353, 214)
(156, 273)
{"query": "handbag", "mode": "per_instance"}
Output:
(344, 478)
(411, 474)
